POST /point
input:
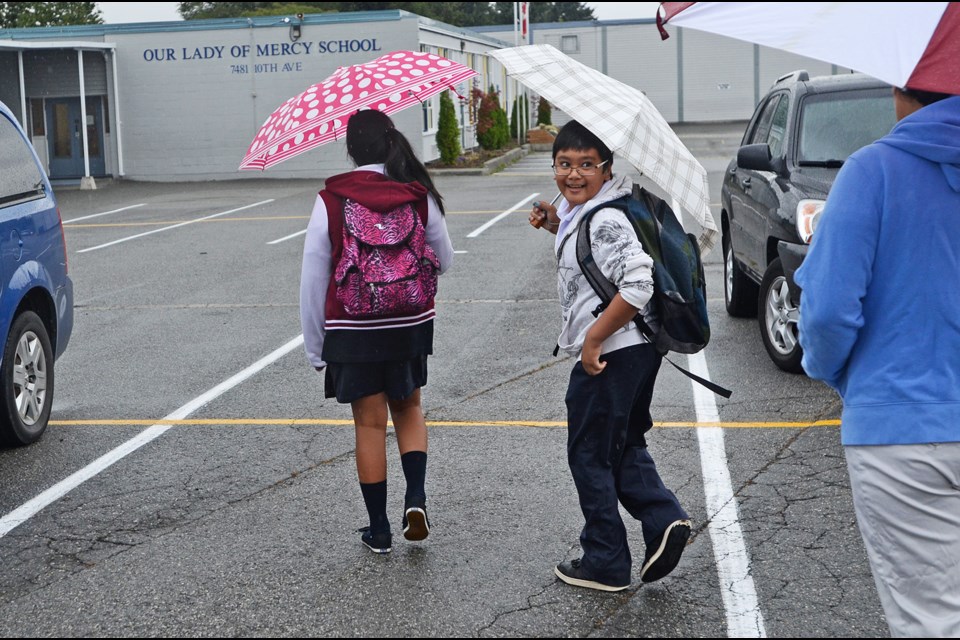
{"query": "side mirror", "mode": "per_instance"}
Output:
(757, 158)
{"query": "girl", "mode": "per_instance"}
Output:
(375, 364)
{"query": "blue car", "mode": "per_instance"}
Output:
(36, 294)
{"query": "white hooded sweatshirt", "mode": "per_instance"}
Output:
(621, 259)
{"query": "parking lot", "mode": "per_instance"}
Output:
(194, 482)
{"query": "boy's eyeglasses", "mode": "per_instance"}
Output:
(586, 169)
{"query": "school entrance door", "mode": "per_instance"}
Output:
(65, 138)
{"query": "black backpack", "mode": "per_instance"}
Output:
(679, 289)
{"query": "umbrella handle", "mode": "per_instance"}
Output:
(537, 205)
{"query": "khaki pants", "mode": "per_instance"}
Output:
(907, 501)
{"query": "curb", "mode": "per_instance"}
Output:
(490, 166)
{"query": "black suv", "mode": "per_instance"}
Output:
(774, 191)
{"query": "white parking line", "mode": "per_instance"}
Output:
(292, 235)
(174, 226)
(28, 509)
(105, 213)
(744, 619)
(481, 229)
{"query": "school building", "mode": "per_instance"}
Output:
(181, 101)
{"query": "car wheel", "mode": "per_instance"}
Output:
(779, 320)
(26, 381)
(739, 292)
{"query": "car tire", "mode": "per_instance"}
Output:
(739, 292)
(778, 318)
(26, 381)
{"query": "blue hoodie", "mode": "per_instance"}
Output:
(880, 308)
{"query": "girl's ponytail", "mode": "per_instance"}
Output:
(372, 139)
(403, 165)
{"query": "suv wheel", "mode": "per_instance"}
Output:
(778, 320)
(26, 381)
(739, 291)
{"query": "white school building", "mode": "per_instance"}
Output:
(181, 101)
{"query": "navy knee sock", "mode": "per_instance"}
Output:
(375, 497)
(415, 471)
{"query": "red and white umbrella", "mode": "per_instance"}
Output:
(319, 114)
(905, 44)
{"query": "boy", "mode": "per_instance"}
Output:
(611, 386)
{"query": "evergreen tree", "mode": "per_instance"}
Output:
(543, 111)
(493, 130)
(521, 106)
(46, 14)
(448, 133)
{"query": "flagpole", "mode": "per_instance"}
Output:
(516, 42)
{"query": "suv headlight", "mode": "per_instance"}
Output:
(808, 215)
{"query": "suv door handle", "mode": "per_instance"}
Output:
(745, 183)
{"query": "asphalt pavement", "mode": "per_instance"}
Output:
(194, 482)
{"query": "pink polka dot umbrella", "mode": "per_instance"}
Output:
(390, 83)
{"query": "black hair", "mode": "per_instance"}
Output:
(924, 97)
(574, 135)
(372, 138)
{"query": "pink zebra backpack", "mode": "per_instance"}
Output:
(387, 268)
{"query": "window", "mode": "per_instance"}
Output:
(778, 128)
(834, 125)
(36, 116)
(762, 127)
(570, 44)
(20, 178)
(429, 109)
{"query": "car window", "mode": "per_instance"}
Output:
(778, 129)
(20, 178)
(762, 127)
(834, 125)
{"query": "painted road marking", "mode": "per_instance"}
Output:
(292, 235)
(744, 619)
(28, 509)
(147, 233)
(156, 223)
(490, 223)
(105, 213)
(286, 422)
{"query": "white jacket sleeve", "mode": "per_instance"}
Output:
(621, 257)
(314, 280)
(437, 236)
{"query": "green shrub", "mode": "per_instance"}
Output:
(493, 130)
(543, 112)
(517, 113)
(448, 133)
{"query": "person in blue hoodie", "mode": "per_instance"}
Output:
(880, 323)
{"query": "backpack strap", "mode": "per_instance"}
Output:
(606, 290)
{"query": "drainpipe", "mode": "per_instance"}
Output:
(86, 182)
(23, 95)
(118, 128)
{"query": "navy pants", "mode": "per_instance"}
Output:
(607, 417)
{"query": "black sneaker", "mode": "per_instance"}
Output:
(570, 572)
(416, 526)
(376, 542)
(664, 553)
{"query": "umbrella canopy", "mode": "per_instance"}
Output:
(905, 44)
(319, 114)
(623, 118)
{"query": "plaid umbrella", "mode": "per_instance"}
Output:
(623, 118)
(319, 114)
